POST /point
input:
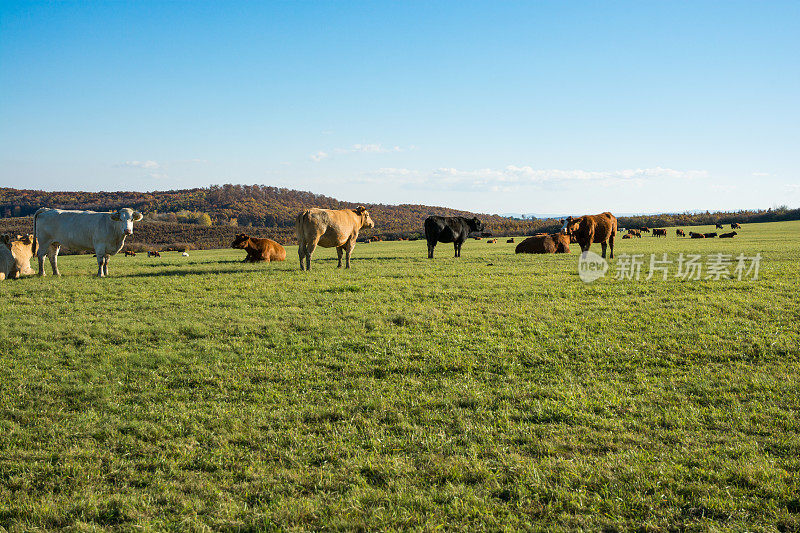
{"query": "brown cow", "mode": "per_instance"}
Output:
(694, 235)
(635, 232)
(680, 233)
(659, 232)
(330, 228)
(589, 229)
(628, 236)
(15, 256)
(730, 235)
(130, 253)
(153, 253)
(259, 249)
(556, 243)
(491, 241)
(736, 225)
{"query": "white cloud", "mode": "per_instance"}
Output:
(371, 148)
(513, 177)
(760, 174)
(793, 187)
(147, 165)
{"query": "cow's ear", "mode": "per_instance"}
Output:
(360, 209)
(115, 215)
(137, 216)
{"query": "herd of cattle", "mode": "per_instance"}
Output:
(105, 233)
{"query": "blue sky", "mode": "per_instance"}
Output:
(499, 107)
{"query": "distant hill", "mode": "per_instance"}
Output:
(209, 217)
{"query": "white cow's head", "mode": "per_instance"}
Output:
(125, 218)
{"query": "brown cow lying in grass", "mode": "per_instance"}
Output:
(15, 256)
(730, 235)
(259, 249)
(556, 243)
(589, 229)
(694, 235)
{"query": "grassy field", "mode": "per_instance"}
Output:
(489, 392)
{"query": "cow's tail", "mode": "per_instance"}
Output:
(302, 220)
(36, 235)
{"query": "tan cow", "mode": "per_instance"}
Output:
(330, 228)
(15, 256)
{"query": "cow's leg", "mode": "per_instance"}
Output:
(40, 256)
(52, 254)
(100, 261)
(106, 258)
(339, 251)
(611, 245)
(603, 246)
(430, 249)
(455, 249)
(309, 250)
(348, 249)
(301, 252)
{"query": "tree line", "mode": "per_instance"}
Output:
(210, 217)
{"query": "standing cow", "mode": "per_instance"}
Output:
(589, 229)
(330, 228)
(449, 229)
(82, 230)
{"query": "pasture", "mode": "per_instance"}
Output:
(494, 391)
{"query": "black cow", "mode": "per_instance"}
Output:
(449, 229)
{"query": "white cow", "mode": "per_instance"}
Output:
(82, 230)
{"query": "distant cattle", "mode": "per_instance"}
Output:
(635, 232)
(730, 235)
(645, 229)
(185, 254)
(736, 225)
(259, 249)
(628, 236)
(590, 229)
(694, 235)
(450, 229)
(130, 253)
(718, 225)
(510, 240)
(82, 230)
(153, 253)
(555, 243)
(659, 232)
(330, 228)
(477, 238)
(15, 256)
(680, 233)
(710, 235)
(491, 241)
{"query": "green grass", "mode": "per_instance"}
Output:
(489, 392)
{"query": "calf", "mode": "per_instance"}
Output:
(259, 249)
(730, 235)
(82, 230)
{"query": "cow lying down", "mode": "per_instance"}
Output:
(103, 233)
(556, 243)
(15, 256)
(259, 249)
